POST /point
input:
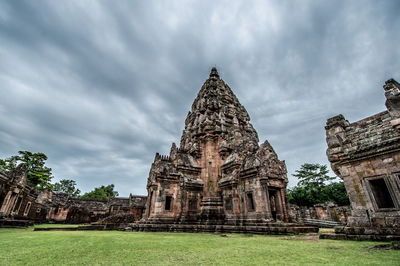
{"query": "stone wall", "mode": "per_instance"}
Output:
(74, 210)
(366, 155)
(326, 212)
(20, 201)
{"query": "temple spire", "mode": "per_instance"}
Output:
(214, 73)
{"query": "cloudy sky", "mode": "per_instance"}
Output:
(101, 86)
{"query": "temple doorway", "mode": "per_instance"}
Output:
(274, 203)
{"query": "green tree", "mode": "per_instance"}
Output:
(67, 186)
(337, 193)
(313, 175)
(313, 187)
(38, 174)
(101, 193)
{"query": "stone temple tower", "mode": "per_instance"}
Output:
(219, 174)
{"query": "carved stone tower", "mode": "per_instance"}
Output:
(219, 174)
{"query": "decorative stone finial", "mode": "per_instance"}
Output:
(336, 121)
(214, 73)
(335, 132)
(392, 94)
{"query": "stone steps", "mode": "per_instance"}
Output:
(320, 223)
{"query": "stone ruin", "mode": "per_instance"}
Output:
(65, 209)
(325, 215)
(22, 205)
(366, 155)
(220, 178)
(18, 205)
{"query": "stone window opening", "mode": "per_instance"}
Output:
(27, 208)
(381, 194)
(168, 201)
(250, 202)
(17, 205)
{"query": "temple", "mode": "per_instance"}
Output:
(219, 175)
(366, 155)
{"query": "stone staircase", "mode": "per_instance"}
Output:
(320, 223)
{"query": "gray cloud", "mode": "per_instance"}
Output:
(101, 86)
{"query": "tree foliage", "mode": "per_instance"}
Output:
(67, 186)
(38, 174)
(313, 187)
(101, 193)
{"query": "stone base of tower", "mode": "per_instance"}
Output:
(264, 229)
(212, 211)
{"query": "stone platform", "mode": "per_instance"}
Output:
(72, 228)
(11, 223)
(265, 229)
(363, 234)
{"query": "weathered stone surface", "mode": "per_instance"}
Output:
(75, 210)
(328, 212)
(219, 174)
(18, 199)
(21, 204)
(366, 155)
(266, 228)
(121, 218)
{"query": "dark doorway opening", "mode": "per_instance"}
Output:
(273, 203)
(168, 200)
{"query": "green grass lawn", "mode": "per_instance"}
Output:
(24, 246)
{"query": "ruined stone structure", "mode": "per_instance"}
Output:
(22, 205)
(322, 215)
(18, 205)
(134, 205)
(219, 175)
(366, 155)
(65, 209)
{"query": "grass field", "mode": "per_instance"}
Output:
(24, 246)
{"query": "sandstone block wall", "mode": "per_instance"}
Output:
(366, 155)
